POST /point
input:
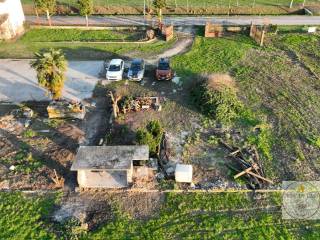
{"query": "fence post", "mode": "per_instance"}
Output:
(251, 30)
(262, 38)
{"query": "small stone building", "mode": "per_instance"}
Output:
(107, 166)
(11, 19)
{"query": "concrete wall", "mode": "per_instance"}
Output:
(16, 18)
(103, 179)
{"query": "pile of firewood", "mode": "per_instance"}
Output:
(246, 162)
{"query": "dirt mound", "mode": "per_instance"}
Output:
(72, 132)
(89, 211)
(218, 82)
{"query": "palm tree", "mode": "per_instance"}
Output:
(51, 66)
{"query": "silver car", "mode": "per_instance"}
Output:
(136, 70)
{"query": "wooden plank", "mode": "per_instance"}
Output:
(243, 172)
(260, 177)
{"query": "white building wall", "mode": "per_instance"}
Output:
(102, 179)
(16, 16)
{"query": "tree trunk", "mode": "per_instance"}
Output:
(160, 14)
(87, 20)
(175, 3)
(304, 2)
(254, 3)
(291, 3)
(115, 100)
(48, 18)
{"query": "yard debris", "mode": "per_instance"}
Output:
(247, 164)
(177, 80)
(150, 34)
(11, 124)
(143, 177)
(23, 112)
(3, 169)
(4, 185)
(72, 132)
(139, 104)
(66, 109)
(59, 181)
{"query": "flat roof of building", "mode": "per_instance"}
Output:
(109, 157)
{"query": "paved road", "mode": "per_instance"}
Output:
(18, 80)
(179, 21)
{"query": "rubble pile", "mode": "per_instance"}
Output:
(140, 104)
(66, 109)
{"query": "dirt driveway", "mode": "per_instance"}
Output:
(18, 81)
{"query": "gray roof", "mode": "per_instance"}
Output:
(109, 157)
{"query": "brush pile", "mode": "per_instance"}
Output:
(247, 164)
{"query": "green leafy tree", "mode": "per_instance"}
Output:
(85, 9)
(48, 6)
(159, 5)
(51, 67)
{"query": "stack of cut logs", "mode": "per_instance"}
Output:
(247, 164)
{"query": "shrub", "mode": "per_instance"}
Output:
(150, 136)
(154, 127)
(29, 133)
(216, 97)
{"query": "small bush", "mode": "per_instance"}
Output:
(216, 97)
(154, 127)
(29, 133)
(150, 136)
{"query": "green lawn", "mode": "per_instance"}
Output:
(213, 55)
(181, 216)
(30, 43)
(65, 35)
(24, 217)
(212, 216)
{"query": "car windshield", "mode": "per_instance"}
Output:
(114, 68)
(136, 66)
(163, 66)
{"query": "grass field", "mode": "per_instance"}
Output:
(38, 39)
(25, 217)
(181, 216)
(68, 35)
(279, 87)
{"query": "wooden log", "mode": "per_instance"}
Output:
(260, 177)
